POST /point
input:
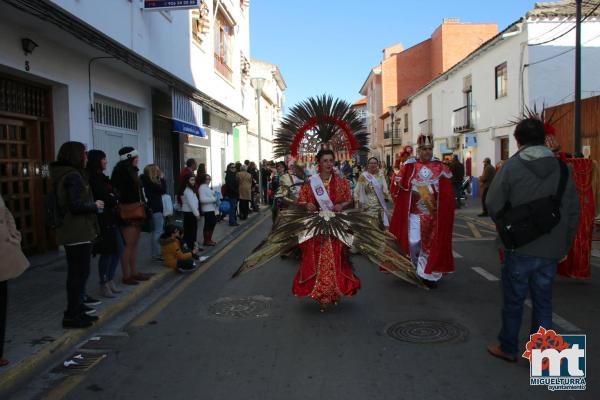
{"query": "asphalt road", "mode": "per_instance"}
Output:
(277, 346)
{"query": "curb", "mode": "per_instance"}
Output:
(26, 368)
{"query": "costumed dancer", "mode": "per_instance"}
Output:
(396, 176)
(577, 263)
(423, 216)
(371, 191)
(323, 226)
(290, 184)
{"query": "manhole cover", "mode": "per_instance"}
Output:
(241, 307)
(428, 332)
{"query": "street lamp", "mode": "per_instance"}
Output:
(258, 83)
(392, 110)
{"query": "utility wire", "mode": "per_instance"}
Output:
(559, 54)
(564, 33)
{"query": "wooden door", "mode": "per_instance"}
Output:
(20, 184)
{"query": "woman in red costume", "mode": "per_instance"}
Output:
(397, 175)
(325, 273)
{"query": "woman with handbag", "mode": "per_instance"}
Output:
(78, 227)
(154, 188)
(132, 212)
(191, 211)
(110, 244)
(208, 204)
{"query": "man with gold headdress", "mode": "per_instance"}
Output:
(424, 213)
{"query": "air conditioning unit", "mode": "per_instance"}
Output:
(453, 142)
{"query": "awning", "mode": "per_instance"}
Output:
(186, 115)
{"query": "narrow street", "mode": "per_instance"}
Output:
(249, 338)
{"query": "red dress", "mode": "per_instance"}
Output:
(325, 273)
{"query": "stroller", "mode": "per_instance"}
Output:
(464, 191)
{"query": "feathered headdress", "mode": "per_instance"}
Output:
(318, 121)
(549, 120)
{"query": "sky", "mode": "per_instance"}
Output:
(329, 46)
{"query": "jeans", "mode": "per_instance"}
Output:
(159, 223)
(78, 269)
(233, 210)
(522, 274)
(107, 264)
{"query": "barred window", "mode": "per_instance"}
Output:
(115, 116)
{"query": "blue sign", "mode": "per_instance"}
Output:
(188, 129)
(470, 140)
(168, 4)
(444, 148)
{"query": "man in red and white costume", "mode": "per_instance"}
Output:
(423, 216)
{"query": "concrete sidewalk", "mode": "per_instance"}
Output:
(38, 297)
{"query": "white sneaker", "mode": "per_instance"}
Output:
(106, 292)
(113, 287)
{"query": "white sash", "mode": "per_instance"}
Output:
(379, 192)
(320, 193)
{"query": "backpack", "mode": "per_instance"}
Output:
(53, 215)
(520, 225)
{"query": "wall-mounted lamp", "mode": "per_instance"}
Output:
(28, 45)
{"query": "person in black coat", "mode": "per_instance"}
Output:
(233, 192)
(110, 244)
(155, 187)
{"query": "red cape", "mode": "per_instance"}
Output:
(441, 258)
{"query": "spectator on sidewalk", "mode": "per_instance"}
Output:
(191, 211)
(189, 169)
(233, 193)
(245, 191)
(78, 227)
(253, 171)
(14, 263)
(110, 244)
(200, 172)
(173, 254)
(485, 180)
(154, 185)
(208, 204)
(265, 173)
(532, 173)
(127, 184)
(458, 175)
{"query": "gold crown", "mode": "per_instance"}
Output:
(425, 140)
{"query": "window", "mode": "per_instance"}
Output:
(115, 115)
(405, 122)
(223, 46)
(501, 80)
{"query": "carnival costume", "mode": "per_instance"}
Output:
(577, 263)
(290, 185)
(324, 236)
(423, 216)
(371, 193)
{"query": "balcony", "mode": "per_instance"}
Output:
(462, 119)
(391, 139)
(425, 127)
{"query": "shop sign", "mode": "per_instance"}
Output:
(158, 5)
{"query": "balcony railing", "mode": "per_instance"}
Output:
(425, 127)
(392, 138)
(462, 119)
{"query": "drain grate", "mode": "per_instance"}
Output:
(105, 342)
(79, 362)
(428, 332)
(241, 307)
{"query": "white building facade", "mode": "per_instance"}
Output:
(111, 74)
(471, 108)
(272, 100)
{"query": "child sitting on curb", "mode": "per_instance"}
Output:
(173, 255)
